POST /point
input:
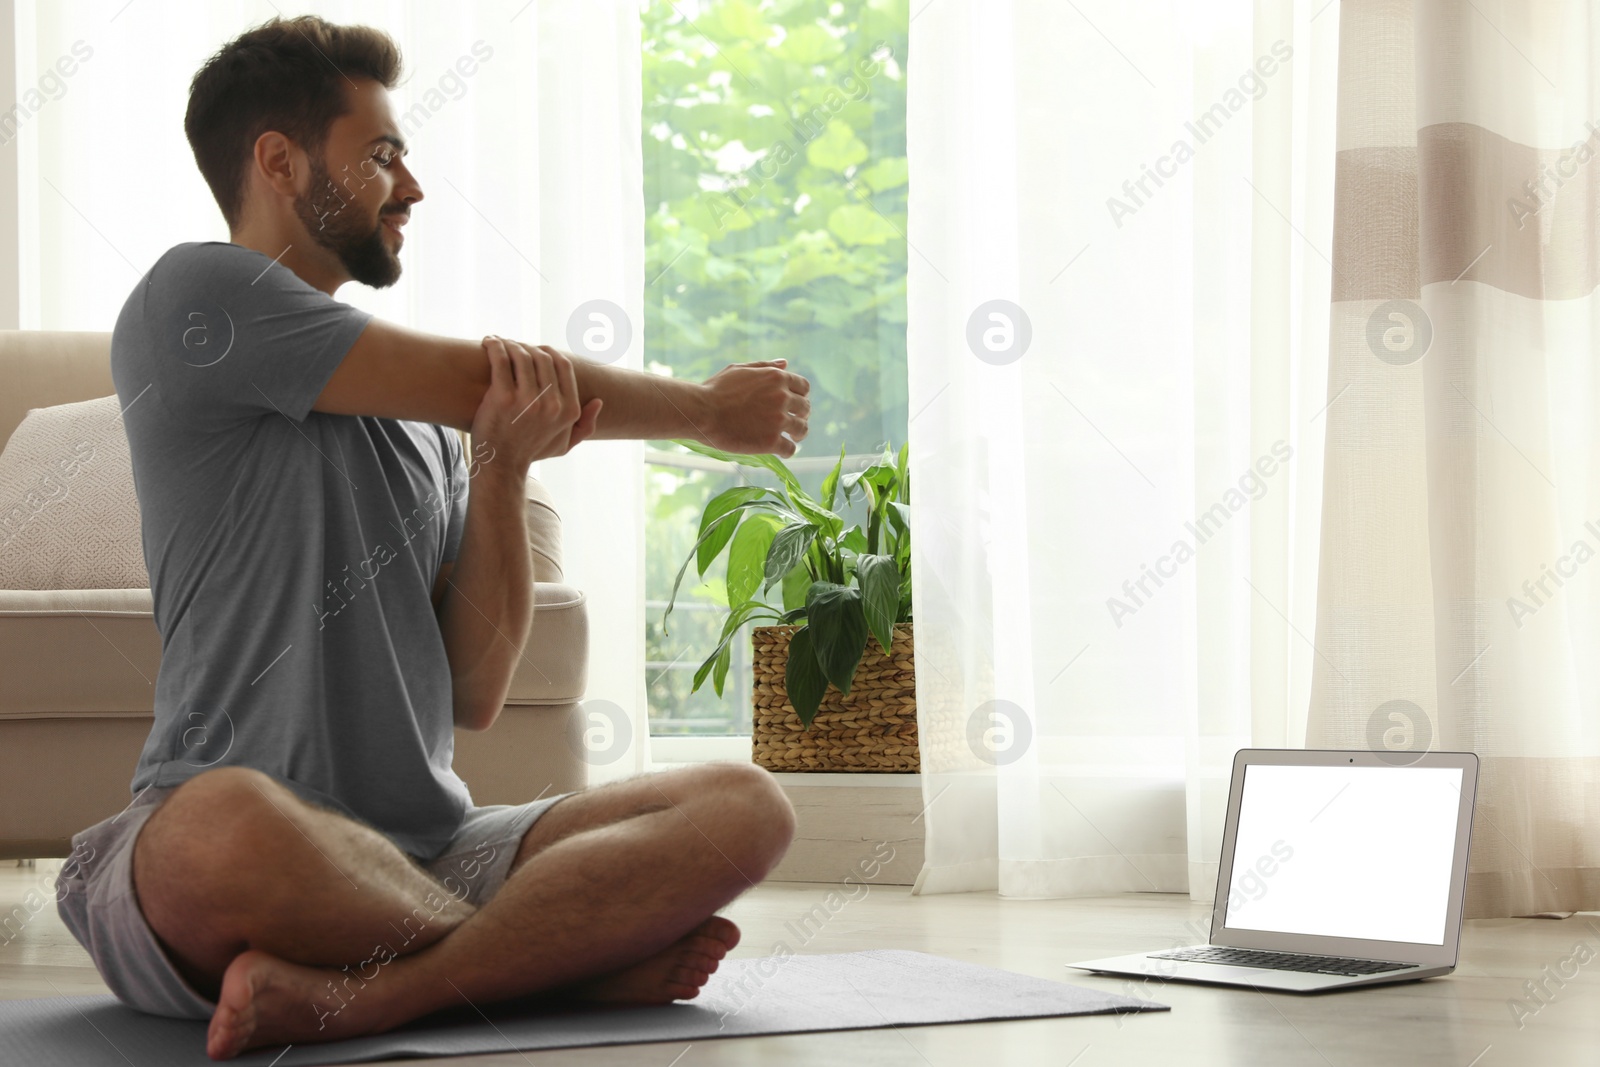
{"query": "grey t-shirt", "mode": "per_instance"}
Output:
(292, 554)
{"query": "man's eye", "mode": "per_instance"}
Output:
(384, 158)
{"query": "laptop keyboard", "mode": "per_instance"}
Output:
(1280, 961)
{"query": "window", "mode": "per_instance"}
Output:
(775, 190)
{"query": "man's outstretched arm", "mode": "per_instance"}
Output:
(398, 373)
(485, 602)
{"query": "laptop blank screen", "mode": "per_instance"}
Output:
(1362, 852)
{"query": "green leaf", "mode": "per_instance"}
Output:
(772, 463)
(747, 555)
(827, 522)
(738, 19)
(805, 266)
(837, 148)
(705, 669)
(713, 214)
(720, 671)
(854, 540)
(857, 224)
(850, 481)
(808, 44)
(881, 475)
(880, 596)
(899, 516)
(830, 484)
(712, 532)
(888, 173)
(736, 618)
(803, 677)
(795, 586)
(794, 494)
(788, 548)
(721, 270)
(723, 503)
(839, 630)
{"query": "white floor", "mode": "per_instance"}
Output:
(1465, 1020)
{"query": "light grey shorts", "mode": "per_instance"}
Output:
(96, 900)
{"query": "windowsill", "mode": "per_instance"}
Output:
(673, 751)
(847, 778)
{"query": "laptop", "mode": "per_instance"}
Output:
(1338, 869)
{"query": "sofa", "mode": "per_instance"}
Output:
(78, 665)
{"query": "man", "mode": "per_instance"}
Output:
(309, 867)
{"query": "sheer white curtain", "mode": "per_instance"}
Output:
(1120, 219)
(523, 120)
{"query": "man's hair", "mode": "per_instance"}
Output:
(287, 75)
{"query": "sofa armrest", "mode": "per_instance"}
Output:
(544, 532)
(554, 665)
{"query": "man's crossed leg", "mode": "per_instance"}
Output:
(260, 899)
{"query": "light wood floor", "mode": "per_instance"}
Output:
(1464, 1020)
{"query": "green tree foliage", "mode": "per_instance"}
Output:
(775, 185)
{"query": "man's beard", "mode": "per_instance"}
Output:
(336, 224)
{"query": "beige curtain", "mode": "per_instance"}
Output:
(1458, 604)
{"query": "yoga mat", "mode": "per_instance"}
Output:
(746, 997)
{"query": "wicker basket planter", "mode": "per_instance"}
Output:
(874, 728)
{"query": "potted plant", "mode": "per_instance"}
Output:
(834, 684)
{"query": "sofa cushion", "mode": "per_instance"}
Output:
(67, 653)
(69, 518)
(45, 367)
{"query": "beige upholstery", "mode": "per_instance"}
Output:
(78, 666)
(71, 519)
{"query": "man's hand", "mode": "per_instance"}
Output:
(753, 404)
(531, 409)
(744, 407)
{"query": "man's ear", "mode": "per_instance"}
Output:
(277, 162)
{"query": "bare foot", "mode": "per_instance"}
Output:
(269, 1001)
(675, 973)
